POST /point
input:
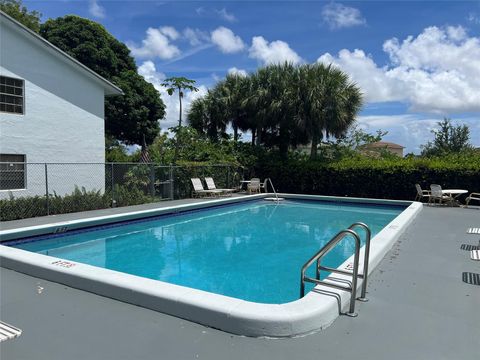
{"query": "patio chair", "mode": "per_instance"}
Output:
(475, 255)
(473, 230)
(438, 195)
(211, 186)
(253, 186)
(472, 196)
(422, 193)
(199, 191)
(264, 186)
(8, 331)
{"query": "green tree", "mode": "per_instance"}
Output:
(448, 139)
(208, 115)
(328, 103)
(127, 118)
(179, 85)
(282, 105)
(16, 10)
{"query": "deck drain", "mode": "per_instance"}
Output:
(471, 278)
(469, 247)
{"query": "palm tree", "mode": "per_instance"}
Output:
(178, 84)
(328, 103)
(208, 115)
(232, 91)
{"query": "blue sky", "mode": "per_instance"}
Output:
(416, 62)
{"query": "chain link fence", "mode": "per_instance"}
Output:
(38, 189)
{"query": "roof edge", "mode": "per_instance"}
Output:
(110, 88)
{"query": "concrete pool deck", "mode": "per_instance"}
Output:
(419, 308)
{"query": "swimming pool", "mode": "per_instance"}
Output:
(231, 250)
(223, 263)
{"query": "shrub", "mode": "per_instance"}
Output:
(375, 178)
(78, 200)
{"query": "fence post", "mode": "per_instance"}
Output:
(228, 176)
(112, 184)
(152, 180)
(171, 182)
(46, 189)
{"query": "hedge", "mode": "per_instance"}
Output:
(372, 178)
(78, 200)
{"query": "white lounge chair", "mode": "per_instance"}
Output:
(438, 195)
(199, 191)
(473, 230)
(475, 255)
(264, 186)
(253, 186)
(8, 331)
(472, 196)
(422, 193)
(211, 186)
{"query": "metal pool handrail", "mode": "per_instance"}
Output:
(366, 257)
(273, 188)
(323, 251)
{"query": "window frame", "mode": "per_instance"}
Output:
(15, 162)
(14, 96)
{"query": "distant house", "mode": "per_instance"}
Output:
(51, 110)
(384, 145)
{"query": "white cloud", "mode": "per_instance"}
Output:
(376, 83)
(436, 72)
(340, 16)
(157, 44)
(273, 52)
(226, 15)
(412, 130)
(149, 72)
(226, 40)
(95, 9)
(195, 36)
(200, 11)
(238, 72)
(473, 18)
(170, 32)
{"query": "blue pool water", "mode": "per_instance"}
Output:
(252, 250)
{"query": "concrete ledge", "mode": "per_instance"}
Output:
(311, 313)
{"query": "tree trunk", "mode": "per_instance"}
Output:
(180, 114)
(253, 137)
(313, 150)
(177, 141)
(283, 143)
(259, 137)
(235, 133)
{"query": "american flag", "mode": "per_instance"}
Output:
(144, 156)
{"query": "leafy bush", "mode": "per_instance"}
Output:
(22, 208)
(375, 178)
(78, 200)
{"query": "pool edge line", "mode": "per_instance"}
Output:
(299, 317)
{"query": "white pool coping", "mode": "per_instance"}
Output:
(313, 312)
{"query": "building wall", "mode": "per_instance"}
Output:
(63, 119)
(396, 151)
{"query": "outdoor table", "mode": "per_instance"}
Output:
(244, 183)
(454, 194)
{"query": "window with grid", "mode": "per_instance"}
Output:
(12, 171)
(11, 95)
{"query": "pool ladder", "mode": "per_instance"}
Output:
(352, 287)
(265, 183)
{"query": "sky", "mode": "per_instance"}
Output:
(416, 62)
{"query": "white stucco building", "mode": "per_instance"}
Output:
(51, 111)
